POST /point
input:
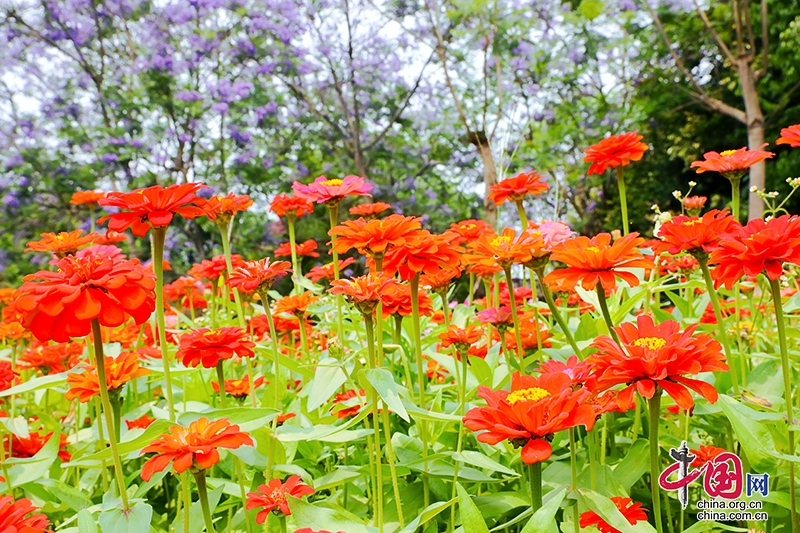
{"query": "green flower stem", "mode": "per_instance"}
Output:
(471, 288)
(723, 334)
(116, 410)
(379, 317)
(221, 381)
(461, 381)
(159, 236)
(333, 212)
(623, 200)
(573, 463)
(548, 297)
(378, 516)
(98, 413)
(520, 351)
(423, 429)
(445, 311)
(655, 457)
(736, 194)
(202, 492)
(535, 477)
(282, 521)
(787, 392)
(214, 302)
(4, 465)
(303, 336)
(393, 467)
(225, 230)
(601, 296)
(591, 441)
(275, 353)
(107, 411)
(522, 216)
(296, 273)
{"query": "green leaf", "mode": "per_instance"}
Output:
(133, 441)
(44, 382)
(18, 426)
(591, 9)
(24, 471)
(635, 463)
(67, 494)
(604, 507)
(427, 514)
(481, 461)
(136, 520)
(471, 518)
(86, 522)
(316, 517)
(384, 383)
(247, 419)
(544, 517)
(326, 382)
(752, 434)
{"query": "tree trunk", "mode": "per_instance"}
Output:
(479, 140)
(755, 135)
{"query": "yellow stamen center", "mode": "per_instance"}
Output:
(727, 153)
(534, 394)
(331, 183)
(654, 343)
(501, 241)
(594, 249)
(693, 222)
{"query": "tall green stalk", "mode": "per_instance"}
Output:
(296, 273)
(423, 429)
(573, 464)
(623, 200)
(369, 325)
(601, 296)
(736, 192)
(202, 492)
(535, 478)
(522, 216)
(548, 297)
(107, 412)
(774, 285)
(333, 213)
(520, 351)
(654, 405)
(159, 236)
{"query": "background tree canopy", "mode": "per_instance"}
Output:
(424, 98)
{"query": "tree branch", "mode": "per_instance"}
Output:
(714, 34)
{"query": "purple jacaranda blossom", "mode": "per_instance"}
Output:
(188, 96)
(15, 161)
(11, 201)
(109, 158)
(220, 107)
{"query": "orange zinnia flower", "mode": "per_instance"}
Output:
(208, 346)
(186, 291)
(633, 512)
(258, 276)
(397, 301)
(109, 238)
(364, 292)
(615, 151)
(320, 272)
(755, 248)
(694, 204)
(283, 205)
(215, 267)
(152, 207)
(21, 516)
(435, 371)
(351, 407)
(425, 252)
(653, 357)
(295, 304)
(143, 422)
(518, 187)
(705, 454)
(272, 497)
(530, 413)
(25, 447)
(61, 244)
(369, 210)
(119, 371)
(303, 249)
(469, 230)
(462, 339)
(224, 208)
(439, 282)
(374, 237)
(790, 136)
(731, 163)
(195, 446)
(528, 335)
(59, 305)
(695, 235)
(332, 192)
(505, 249)
(51, 358)
(7, 375)
(238, 388)
(88, 198)
(594, 260)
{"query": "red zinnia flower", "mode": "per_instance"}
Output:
(25, 447)
(119, 371)
(238, 388)
(332, 192)
(364, 292)
(258, 276)
(187, 292)
(88, 198)
(615, 151)
(143, 422)
(435, 371)
(59, 305)
(208, 346)
(224, 208)
(528, 335)
(374, 237)
(790, 136)
(283, 205)
(594, 260)
(302, 249)
(469, 230)
(369, 210)
(397, 301)
(462, 339)
(518, 187)
(695, 234)
(499, 317)
(13, 517)
(531, 413)
(351, 407)
(52, 358)
(109, 238)
(424, 252)
(7, 375)
(705, 454)
(656, 356)
(577, 370)
(320, 272)
(633, 512)
(757, 247)
(62, 244)
(694, 204)
(272, 497)
(195, 446)
(215, 267)
(152, 207)
(731, 163)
